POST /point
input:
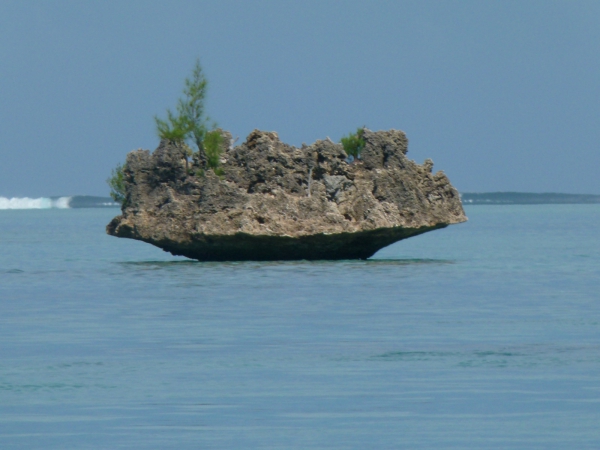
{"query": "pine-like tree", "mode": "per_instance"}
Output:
(190, 123)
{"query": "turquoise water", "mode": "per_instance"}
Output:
(481, 335)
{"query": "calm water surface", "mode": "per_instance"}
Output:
(481, 335)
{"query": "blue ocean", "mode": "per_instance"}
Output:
(484, 335)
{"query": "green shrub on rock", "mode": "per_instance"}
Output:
(353, 143)
(175, 128)
(190, 123)
(116, 181)
(213, 147)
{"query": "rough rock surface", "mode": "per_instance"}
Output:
(278, 202)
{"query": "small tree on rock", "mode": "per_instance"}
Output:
(190, 123)
(116, 182)
(192, 106)
(213, 146)
(353, 143)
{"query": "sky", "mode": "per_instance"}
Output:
(502, 95)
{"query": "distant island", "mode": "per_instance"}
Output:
(526, 198)
(90, 201)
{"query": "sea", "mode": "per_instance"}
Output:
(483, 335)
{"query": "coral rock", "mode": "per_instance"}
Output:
(278, 202)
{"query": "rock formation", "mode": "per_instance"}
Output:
(277, 202)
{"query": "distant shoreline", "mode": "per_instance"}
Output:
(64, 202)
(468, 198)
(526, 198)
(89, 201)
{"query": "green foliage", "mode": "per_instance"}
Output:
(354, 143)
(191, 124)
(175, 128)
(213, 146)
(190, 121)
(117, 184)
(192, 106)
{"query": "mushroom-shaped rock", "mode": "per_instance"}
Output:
(274, 201)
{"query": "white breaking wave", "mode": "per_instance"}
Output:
(34, 203)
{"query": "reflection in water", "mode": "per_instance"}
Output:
(303, 263)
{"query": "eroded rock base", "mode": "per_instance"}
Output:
(246, 247)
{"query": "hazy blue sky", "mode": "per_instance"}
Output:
(501, 95)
